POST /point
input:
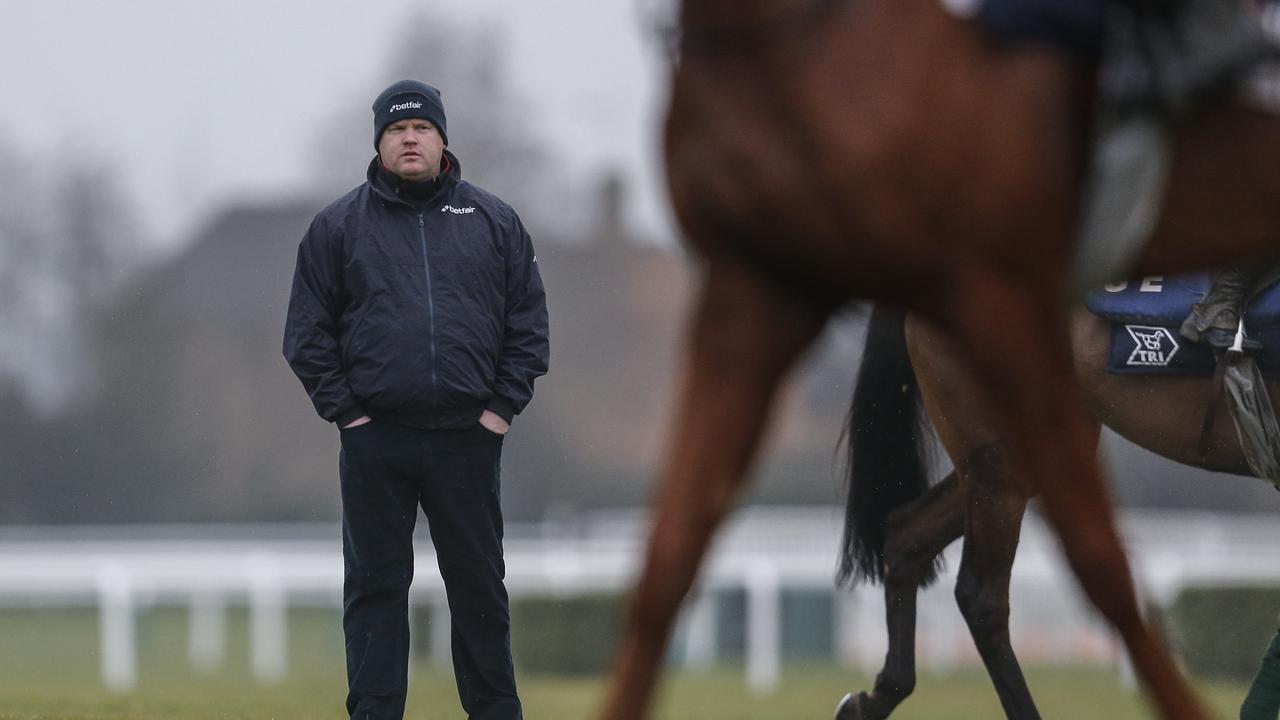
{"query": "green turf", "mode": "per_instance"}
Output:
(49, 671)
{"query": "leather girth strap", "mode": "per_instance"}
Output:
(1215, 397)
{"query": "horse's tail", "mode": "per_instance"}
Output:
(886, 433)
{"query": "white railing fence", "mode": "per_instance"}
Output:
(763, 552)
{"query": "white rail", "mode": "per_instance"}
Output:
(763, 553)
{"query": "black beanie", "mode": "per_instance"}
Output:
(408, 99)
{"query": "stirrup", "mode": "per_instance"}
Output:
(1241, 343)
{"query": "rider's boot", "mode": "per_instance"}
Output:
(1216, 317)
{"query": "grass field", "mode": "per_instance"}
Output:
(49, 671)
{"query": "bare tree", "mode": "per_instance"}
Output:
(65, 240)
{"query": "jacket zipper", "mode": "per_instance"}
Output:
(431, 304)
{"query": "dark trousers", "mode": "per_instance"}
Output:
(387, 472)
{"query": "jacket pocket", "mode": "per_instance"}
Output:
(348, 338)
(387, 359)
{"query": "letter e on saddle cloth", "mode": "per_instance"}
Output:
(1195, 325)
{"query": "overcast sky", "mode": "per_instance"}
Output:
(203, 102)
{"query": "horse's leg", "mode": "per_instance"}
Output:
(1023, 357)
(993, 525)
(745, 335)
(915, 535)
(994, 501)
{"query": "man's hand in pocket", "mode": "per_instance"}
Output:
(493, 423)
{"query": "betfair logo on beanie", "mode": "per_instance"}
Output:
(405, 106)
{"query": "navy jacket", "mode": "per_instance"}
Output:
(423, 313)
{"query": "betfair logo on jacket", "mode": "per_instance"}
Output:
(405, 106)
(458, 210)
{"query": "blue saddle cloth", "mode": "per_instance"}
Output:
(1145, 316)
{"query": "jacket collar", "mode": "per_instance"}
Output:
(395, 189)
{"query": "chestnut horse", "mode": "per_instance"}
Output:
(819, 151)
(895, 529)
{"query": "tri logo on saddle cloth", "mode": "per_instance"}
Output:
(1145, 316)
(1152, 346)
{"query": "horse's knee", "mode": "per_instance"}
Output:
(966, 592)
(984, 610)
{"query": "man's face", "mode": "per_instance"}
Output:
(411, 148)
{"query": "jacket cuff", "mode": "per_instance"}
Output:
(353, 414)
(502, 408)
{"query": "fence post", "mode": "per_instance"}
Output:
(940, 631)
(268, 619)
(849, 634)
(764, 627)
(206, 631)
(700, 636)
(117, 627)
(867, 639)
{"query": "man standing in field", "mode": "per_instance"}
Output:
(417, 324)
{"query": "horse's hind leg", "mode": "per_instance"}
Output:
(915, 535)
(995, 502)
(992, 501)
(745, 335)
(1023, 358)
(993, 524)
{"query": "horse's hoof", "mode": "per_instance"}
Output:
(845, 709)
(850, 707)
